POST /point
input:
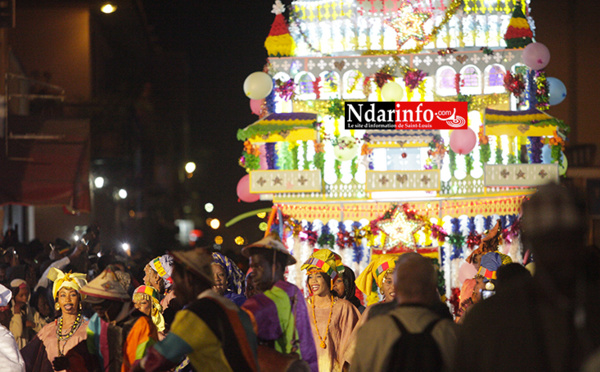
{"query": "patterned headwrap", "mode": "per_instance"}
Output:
(163, 265)
(149, 293)
(326, 261)
(373, 275)
(235, 276)
(66, 280)
(490, 263)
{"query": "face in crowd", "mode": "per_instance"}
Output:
(339, 287)
(143, 305)
(152, 279)
(219, 278)
(68, 300)
(317, 283)
(387, 287)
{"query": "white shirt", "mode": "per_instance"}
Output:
(10, 357)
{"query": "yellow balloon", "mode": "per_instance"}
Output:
(392, 91)
(258, 85)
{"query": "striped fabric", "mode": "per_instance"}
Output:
(222, 338)
(315, 262)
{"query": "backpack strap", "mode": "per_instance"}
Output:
(427, 329)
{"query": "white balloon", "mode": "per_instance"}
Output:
(258, 85)
(392, 91)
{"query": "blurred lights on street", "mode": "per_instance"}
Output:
(99, 182)
(126, 247)
(209, 207)
(76, 237)
(215, 223)
(261, 215)
(108, 8)
(219, 239)
(122, 194)
(239, 240)
(190, 167)
(262, 226)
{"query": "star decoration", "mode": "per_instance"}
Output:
(277, 181)
(409, 24)
(520, 174)
(399, 229)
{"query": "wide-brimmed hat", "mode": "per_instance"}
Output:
(105, 286)
(197, 260)
(270, 242)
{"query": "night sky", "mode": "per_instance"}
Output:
(224, 43)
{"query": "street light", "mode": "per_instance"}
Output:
(215, 223)
(99, 182)
(122, 194)
(209, 207)
(108, 8)
(190, 167)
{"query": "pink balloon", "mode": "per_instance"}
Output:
(256, 105)
(536, 56)
(466, 271)
(462, 141)
(243, 190)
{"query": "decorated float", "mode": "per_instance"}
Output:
(368, 192)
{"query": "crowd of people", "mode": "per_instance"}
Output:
(196, 310)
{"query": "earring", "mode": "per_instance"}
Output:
(80, 307)
(56, 306)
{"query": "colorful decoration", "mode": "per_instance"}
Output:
(279, 43)
(413, 77)
(518, 34)
(541, 91)
(515, 84)
(399, 229)
(285, 89)
(243, 190)
(409, 24)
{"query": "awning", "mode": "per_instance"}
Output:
(292, 126)
(527, 123)
(47, 164)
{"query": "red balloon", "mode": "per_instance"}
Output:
(256, 106)
(243, 190)
(462, 141)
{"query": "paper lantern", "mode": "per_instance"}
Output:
(556, 91)
(462, 141)
(346, 149)
(258, 85)
(243, 190)
(392, 91)
(536, 56)
(256, 106)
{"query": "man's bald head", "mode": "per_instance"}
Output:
(415, 280)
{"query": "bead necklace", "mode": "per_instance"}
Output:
(323, 339)
(64, 337)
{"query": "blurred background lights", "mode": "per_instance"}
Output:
(209, 207)
(122, 194)
(99, 182)
(262, 226)
(190, 167)
(239, 240)
(215, 223)
(219, 239)
(261, 215)
(108, 8)
(126, 247)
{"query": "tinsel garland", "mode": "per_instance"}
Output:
(471, 224)
(455, 301)
(456, 239)
(381, 78)
(270, 102)
(531, 90)
(473, 240)
(285, 89)
(283, 156)
(338, 169)
(541, 91)
(498, 153)
(413, 77)
(354, 167)
(487, 223)
(319, 158)
(469, 160)
(535, 150)
(452, 162)
(441, 283)
(485, 153)
(271, 155)
(293, 148)
(326, 238)
(305, 165)
(344, 239)
(358, 251)
(336, 108)
(317, 87)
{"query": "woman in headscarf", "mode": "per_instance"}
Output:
(333, 319)
(227, 278)
(157, 274)
(145, 299)
(61, 344)
(345, 288)
(22, 321)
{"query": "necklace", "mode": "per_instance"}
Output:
(64, 337)
(323, 339)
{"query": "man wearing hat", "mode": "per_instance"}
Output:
(211, 330)
(549, 323)
(116, 335)
(279, 310)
